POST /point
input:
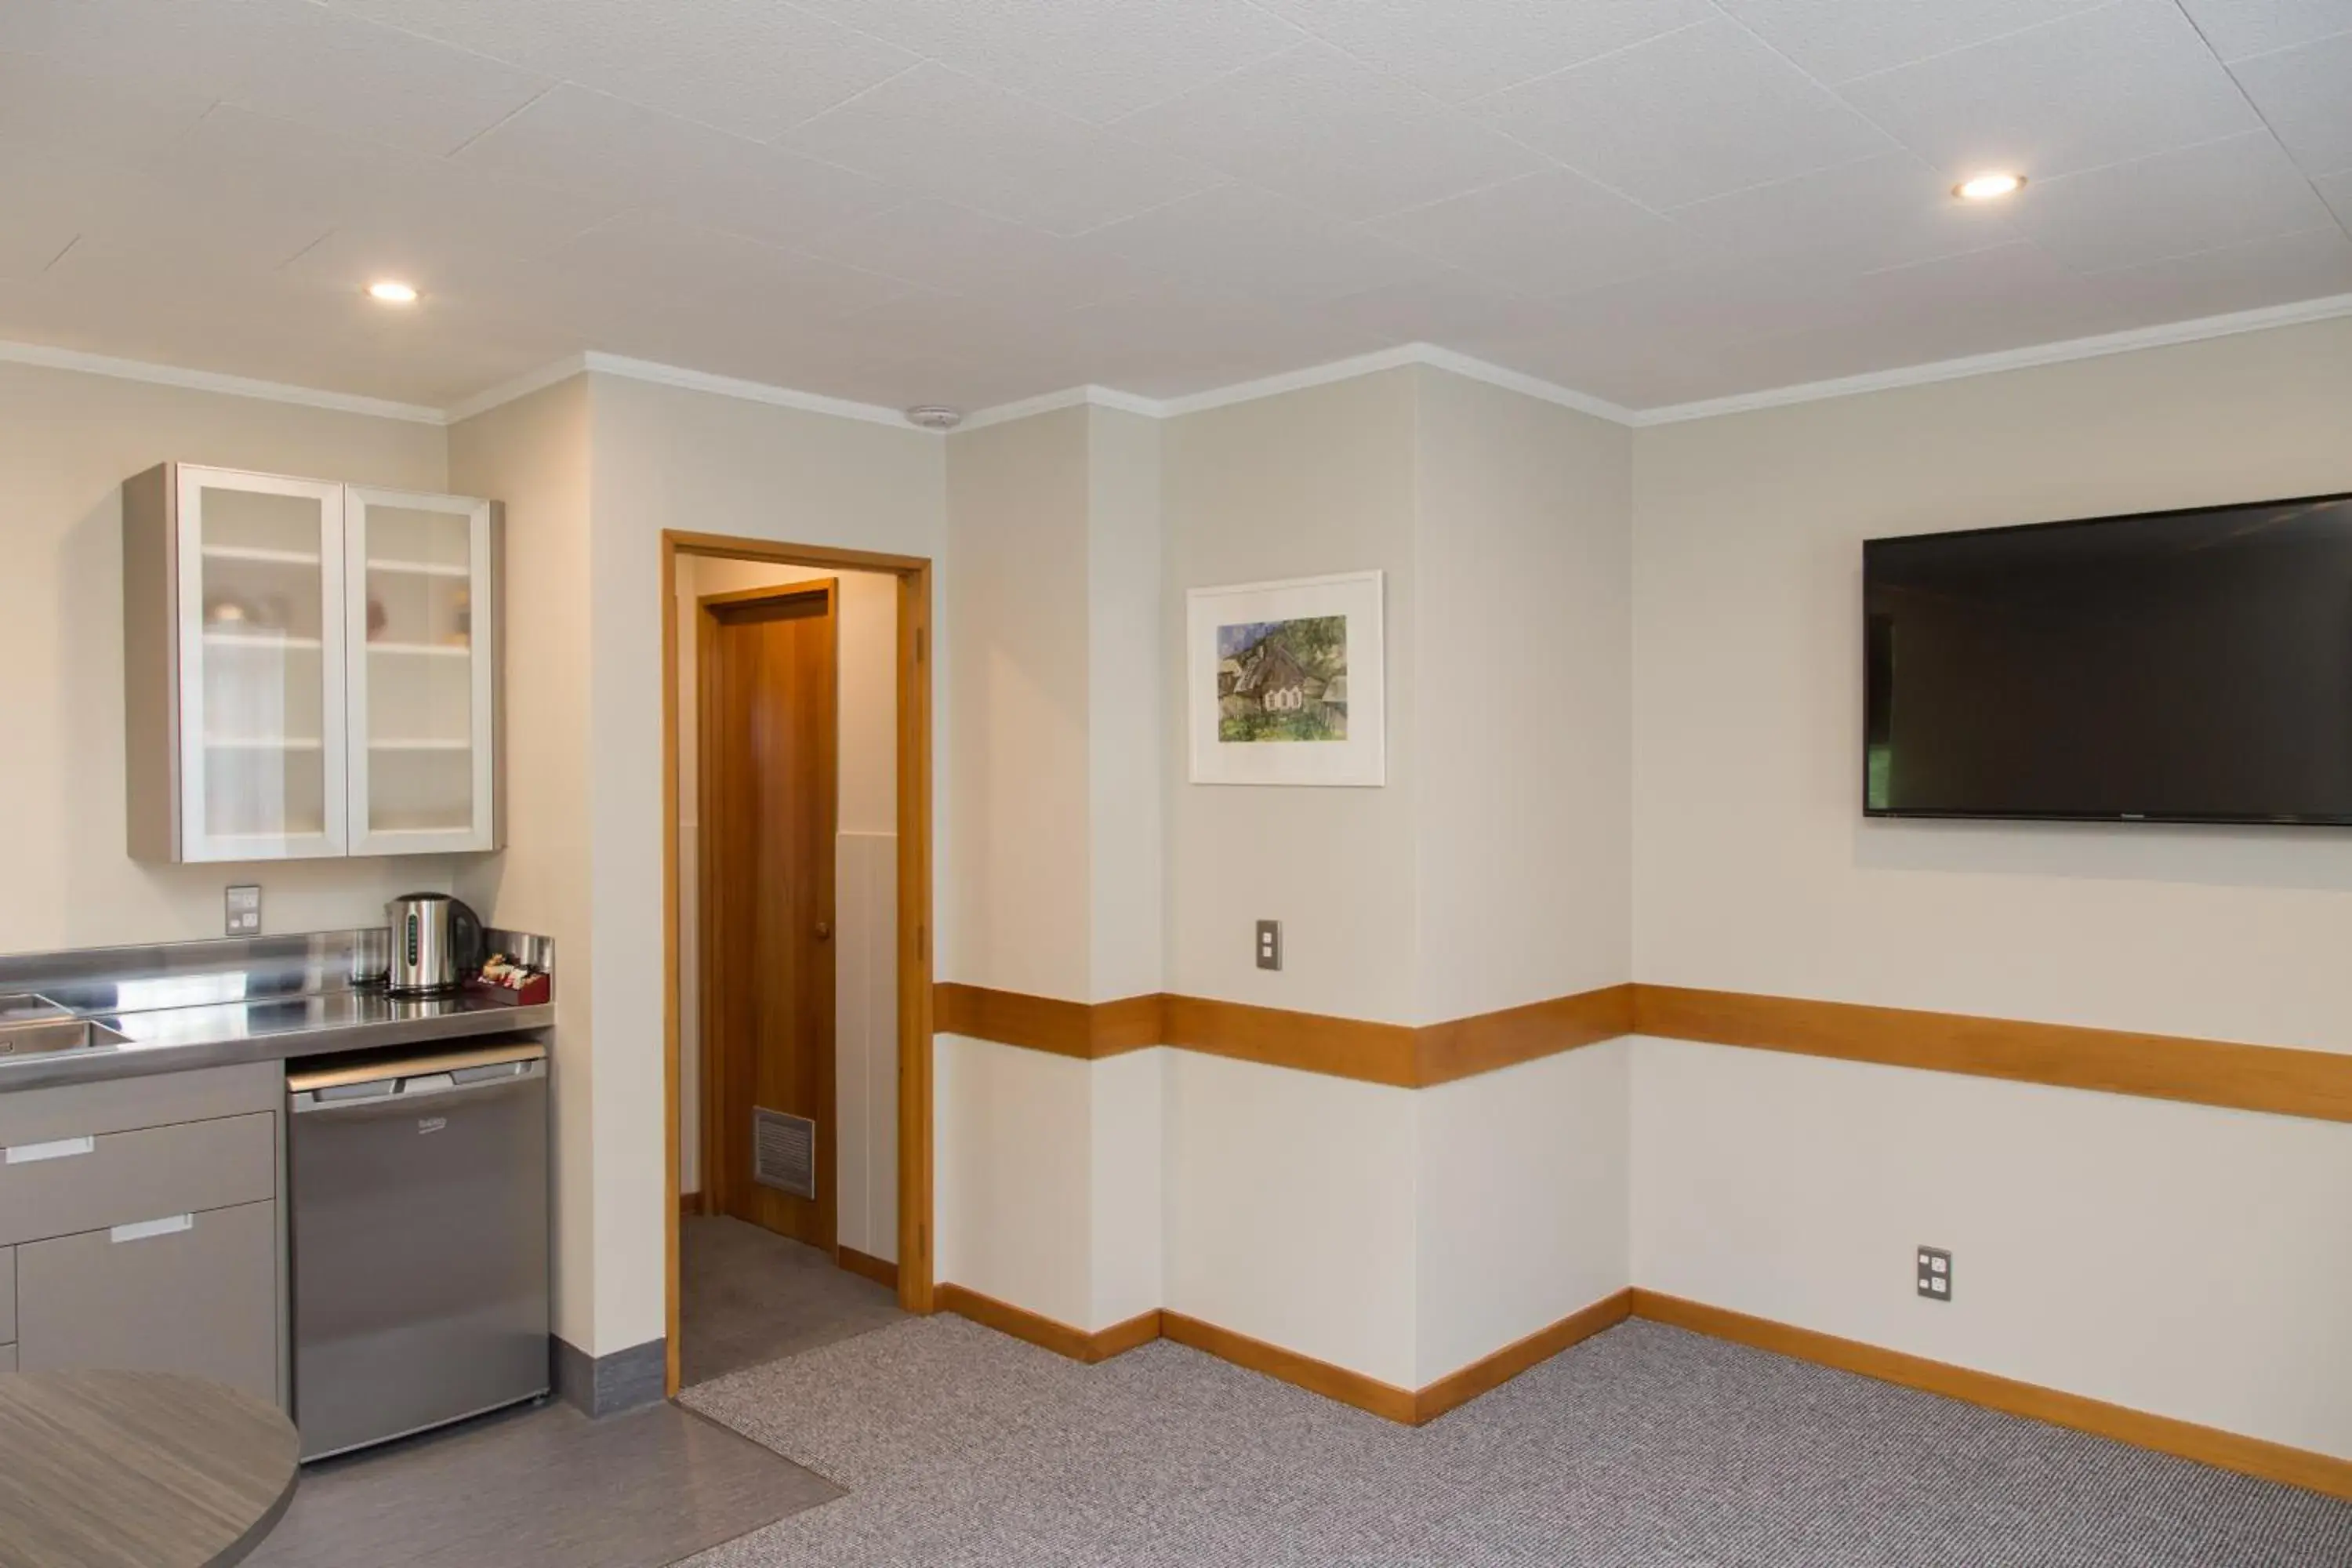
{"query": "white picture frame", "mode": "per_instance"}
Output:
(1262, 661)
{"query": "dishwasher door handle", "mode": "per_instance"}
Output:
(413, 1090)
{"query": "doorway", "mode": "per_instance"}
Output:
(770, 735)
(797, 866)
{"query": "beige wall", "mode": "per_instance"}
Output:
(1295, 485)
(1126, 887)
(2160, 1256)
(1524, 670)
(1015, 687)
(67, 441)
(534, 455)
(1756, 871)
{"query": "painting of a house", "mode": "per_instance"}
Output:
(1276, 681)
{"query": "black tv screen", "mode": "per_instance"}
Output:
(2169, 667)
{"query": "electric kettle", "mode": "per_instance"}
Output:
(436, 943)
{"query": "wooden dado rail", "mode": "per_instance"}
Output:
(2283, 1081)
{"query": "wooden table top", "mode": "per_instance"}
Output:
(98, 1469)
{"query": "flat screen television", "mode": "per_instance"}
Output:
(2189, 665)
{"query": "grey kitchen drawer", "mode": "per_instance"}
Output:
(65, 1187)
(7, 1358)
(7, 1294)
(120, 1105)
(200, 1299)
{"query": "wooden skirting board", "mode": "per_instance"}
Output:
(2255, 1457)
(2206, 1444)
(2277, 1079)
(881, 1270)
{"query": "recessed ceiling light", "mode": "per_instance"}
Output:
(1986, 187)
(392, 291)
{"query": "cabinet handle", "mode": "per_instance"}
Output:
(141, 1230)
(58, 1149)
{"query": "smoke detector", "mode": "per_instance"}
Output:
(934, 417)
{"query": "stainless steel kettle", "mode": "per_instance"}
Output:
(436, 943)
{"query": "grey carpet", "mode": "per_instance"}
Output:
(748, 1296)
(1643, 1447)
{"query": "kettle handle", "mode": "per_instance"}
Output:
(465, 939)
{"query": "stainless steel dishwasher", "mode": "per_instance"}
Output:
(419, 1245)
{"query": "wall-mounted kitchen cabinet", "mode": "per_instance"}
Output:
(310, 668)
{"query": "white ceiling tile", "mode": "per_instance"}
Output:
(2125, 82)
(1980, 302)
(1694, 306)
(2237, 28)
(1098, 60)
(955, 251)
(1241, 240)
(290, 58)
(1541, 236)
(639, 253)
(2199, 198)
(2313, 265)
(1466, 48)
(423, 205)
(1838, 40)
(1448, 307)
(590, 141)
(942, 135)
(44, 104)
(1315, 125)
(2336, 190)
(2306, 94)
(1697, 113)
(756, 68)
(1887, 211)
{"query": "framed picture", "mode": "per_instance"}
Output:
(1283, 683)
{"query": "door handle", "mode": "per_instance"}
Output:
(824, 930)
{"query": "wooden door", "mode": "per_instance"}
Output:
(767, 753)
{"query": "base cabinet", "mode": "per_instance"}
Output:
(190, 1293)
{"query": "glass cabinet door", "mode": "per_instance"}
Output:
(422, 645)
(261, 652)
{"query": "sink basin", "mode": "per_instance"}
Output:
(33, 1026)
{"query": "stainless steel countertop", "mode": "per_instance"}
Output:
(196, 1005)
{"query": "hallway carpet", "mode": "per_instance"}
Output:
(1643, 1447)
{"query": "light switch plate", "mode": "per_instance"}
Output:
(1269, 945)
(242, 907)
(1934, 1273)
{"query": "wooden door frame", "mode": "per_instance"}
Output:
(914, 907)
(708, 1112)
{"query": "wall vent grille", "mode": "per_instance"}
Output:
(784, 1152)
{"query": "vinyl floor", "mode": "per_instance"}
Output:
(748, 1296)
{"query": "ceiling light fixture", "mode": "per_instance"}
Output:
(1988, 187)
(934, 417)
(392, 291)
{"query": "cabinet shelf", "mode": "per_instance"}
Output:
(420, 568)
(262, 743)
(422, 649)
(258, 639)
(420, 745)
(258, 552)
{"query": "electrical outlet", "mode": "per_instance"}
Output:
(242, 911)
(1935, 1274)
(1269, 945)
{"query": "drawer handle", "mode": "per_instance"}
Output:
(139, 1231)
(61, 1149)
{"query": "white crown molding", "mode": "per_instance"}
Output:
(748, 391)
(2331, 308)
(213, 381)
(2204, 327)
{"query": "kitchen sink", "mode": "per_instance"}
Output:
(34, 1026)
